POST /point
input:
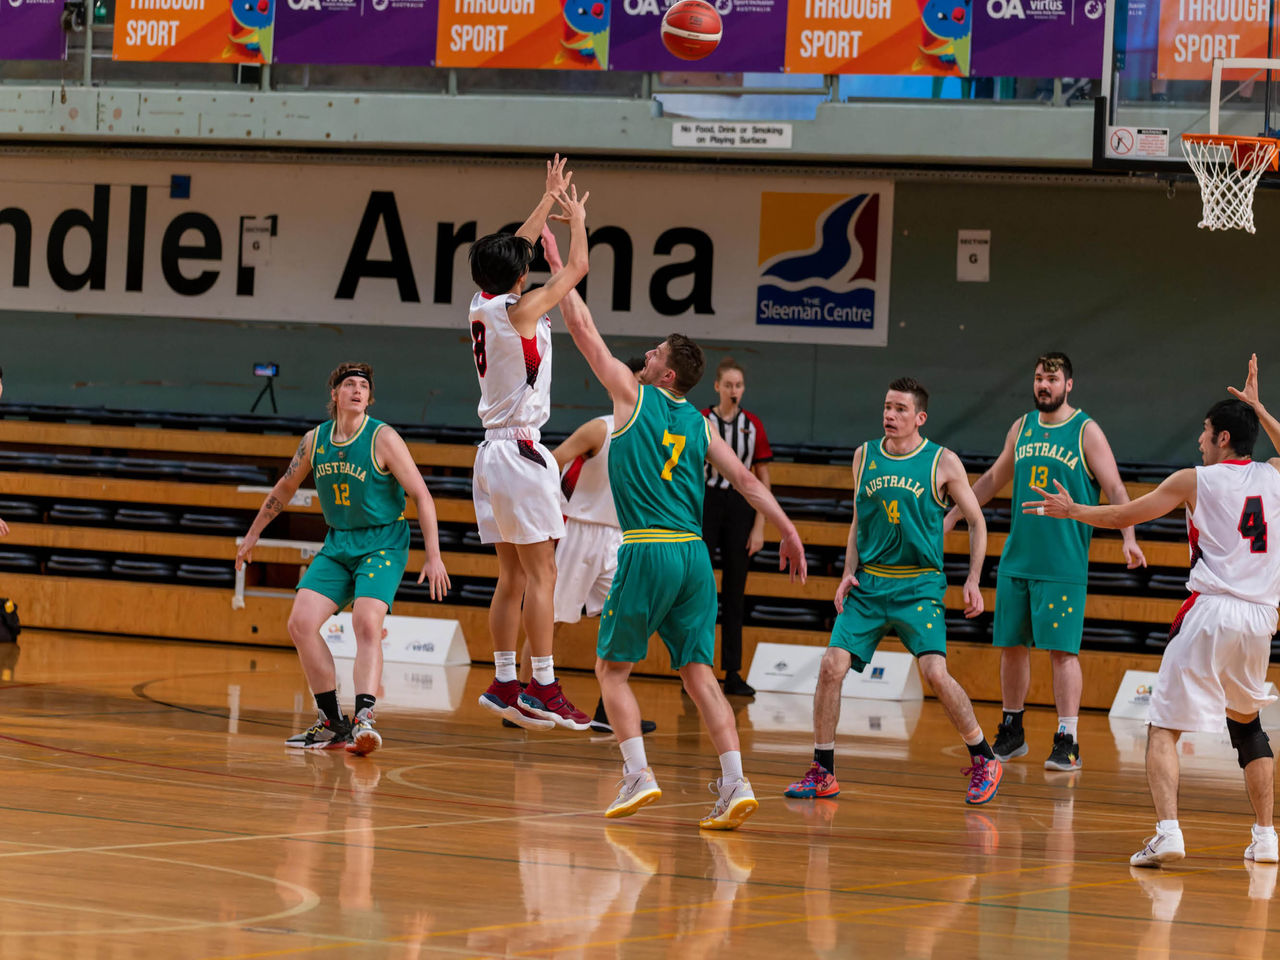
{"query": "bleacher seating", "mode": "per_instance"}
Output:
(151, 498)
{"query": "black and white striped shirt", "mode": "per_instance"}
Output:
(745, 436)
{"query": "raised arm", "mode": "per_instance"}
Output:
(526, 311)
(991, 482)
(955, 484)
(279, 496)
(557, 180)
(393, 454)
(1177, 489)
(1098, 455)
(586, 441)
(1250, 396)
(790, 549)
(613, 374)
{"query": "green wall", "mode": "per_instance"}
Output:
(1157, 315)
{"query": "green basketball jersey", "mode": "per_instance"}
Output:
(899, 511)
(1042, 548)
(655, 468)
(354, 491)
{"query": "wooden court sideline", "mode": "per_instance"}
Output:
(151, 810)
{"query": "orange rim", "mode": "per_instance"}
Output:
(1239, 145)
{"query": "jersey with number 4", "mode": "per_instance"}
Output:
(899, 511)
(1230, 550)
(514, 373)
(655, 466)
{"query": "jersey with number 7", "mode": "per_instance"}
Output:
(655, 464)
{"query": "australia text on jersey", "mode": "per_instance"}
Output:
(894, 481)
(1050, 450)
(324, 469)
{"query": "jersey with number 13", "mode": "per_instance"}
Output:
(655, 464)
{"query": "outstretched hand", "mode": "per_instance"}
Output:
(791, 555)
(433, 571)
(557, 179)
(1249, 394)
(1052, 505)
(572, 208)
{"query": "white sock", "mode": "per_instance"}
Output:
(633, 758)
(1068, 725)
(544, 671)
(504, 665)
(731, 766)
(1167, 826)
(1263, 831)
(825, 746)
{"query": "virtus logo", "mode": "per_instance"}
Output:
(818, 254)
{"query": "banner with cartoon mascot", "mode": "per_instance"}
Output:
(912, 37)
(194, 31)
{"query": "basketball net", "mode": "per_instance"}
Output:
(1228, 170)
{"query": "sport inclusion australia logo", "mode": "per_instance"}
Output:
(818, 254)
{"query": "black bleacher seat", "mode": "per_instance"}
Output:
(779, 615)
(977, 630)
(766, 561)
(23, 511)
(1113, 638)
(148, 469)
(476, 592)
(211, 523)
(997, 519)
(809, 508)
(471, 541)
(80, 514)
(225, 473)
(74, 463)
(19, 460)
(142, 568)
(1163, 528)
(1171, 584)
(206, 574)
(1116, 581)
(77, 565)
(1156, 640)
(19, 561)
(449, 486)
(843, 512)
(149, 518)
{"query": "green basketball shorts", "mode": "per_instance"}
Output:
(910, 606)
(367, 562)
(667, 587)
(1045, 613)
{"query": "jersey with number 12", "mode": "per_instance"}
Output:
(1231, 552)
(354, 491)
(655, 464)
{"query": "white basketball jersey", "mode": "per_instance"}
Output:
(585, 493)
(1230, 550)
(514, 373)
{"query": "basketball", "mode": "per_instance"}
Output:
(691, 29)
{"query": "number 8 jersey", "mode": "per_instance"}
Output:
(1230, 551)
(514, 373)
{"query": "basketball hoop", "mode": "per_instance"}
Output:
(1228, 169)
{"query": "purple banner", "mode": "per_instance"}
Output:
(754, 38)
(32, 30)
(384, 33)
(1037, 38)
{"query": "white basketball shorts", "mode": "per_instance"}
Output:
(1216, 660)
(586, 560)
(516, 489)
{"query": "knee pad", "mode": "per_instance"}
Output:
(1250, 740)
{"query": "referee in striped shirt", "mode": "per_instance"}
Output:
(729, 523)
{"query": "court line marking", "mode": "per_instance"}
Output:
(308, 900)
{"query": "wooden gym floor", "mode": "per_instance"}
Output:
(150, 809)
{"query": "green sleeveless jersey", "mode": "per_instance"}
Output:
(899, 511)
(354, 491)
(1042, 548)
(655, 469)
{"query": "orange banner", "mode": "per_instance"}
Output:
(922, 37)
(539, 34)
(1194, 33)
(194, 31)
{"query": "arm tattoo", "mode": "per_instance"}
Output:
(272, 507)
(296, 462)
